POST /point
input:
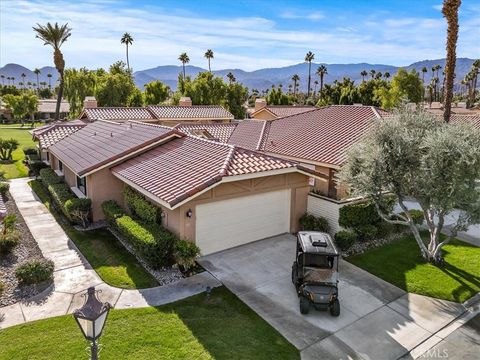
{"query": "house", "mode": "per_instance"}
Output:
(263, 111)
(318, 139)
(47, 107)
(215, 194)
(169, 115)
(458, 108)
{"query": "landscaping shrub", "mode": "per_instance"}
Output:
(30, 150)
(345, 239)
(36, 166)
(78, 210)
(185, 253)
(33, 157)
(355, 215)
(310, 222)
(153, 243)
(366, 232)
(49, 177)
(4, 186)
(9, 240)
(141, 207)
(7, 147)
(34, 271)
(112, 211)
(417, 216)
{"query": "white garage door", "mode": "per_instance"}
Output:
(224, 224)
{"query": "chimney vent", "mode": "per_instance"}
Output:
(185, 101)
(260, 104)
(111, 134)
(89, 102)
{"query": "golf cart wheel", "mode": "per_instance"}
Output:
(335, 308)
(304, 305)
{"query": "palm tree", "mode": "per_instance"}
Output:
(209, 55)
(475, 71)
(378, 75)
(55, 36)
(13, 80)
(37, 72)
(372, 73)
(23, 78)
(309, 58)
(3, 79)
(184, 59)
(363, 74)
(295, 79)
(386, 75)
(321, 72)
(127, 40)
(424, 71)
(49, 80)
(29, 84)
(231, 78)
(315, 83)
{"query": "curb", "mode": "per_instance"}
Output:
(473, 301)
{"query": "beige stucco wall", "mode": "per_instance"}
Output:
(263, 115)
(178, 222)
(103, 186)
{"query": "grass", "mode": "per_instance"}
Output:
(400, 263)
(199, 327)
(16, 169)
(115, 265)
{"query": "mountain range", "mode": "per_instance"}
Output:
(258, 79)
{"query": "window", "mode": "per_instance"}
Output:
(82, 184)
(60, 166)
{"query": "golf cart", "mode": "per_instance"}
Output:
(315, 272)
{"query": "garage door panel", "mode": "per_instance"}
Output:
(227, 223)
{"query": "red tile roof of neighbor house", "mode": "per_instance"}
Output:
(465, 119)
(220, 131)
(117, 113)
(51, 134)
(103, 142)
(286, 110)
(183, 167)
(50, 105)
(209, 112)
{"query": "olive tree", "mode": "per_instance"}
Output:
(414, 155)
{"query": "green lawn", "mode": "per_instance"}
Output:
(200, 327)
(16, 169)
(400, 263)
(115, 265)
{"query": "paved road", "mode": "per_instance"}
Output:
(377, 320)
(73, 274)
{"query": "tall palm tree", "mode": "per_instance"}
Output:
(295, 79)
(450, 12)
(475, 71)
(55, 36)
(424, 71)
(209, 55)
(315, 84)
(13, 80)
(386, 75)
(321, 72)
(49, 80)
(309, 58)
(363, 74)
(184, 59)
(231, 78)
(127, 39)
(23, 78)
(3, 79)
(372, 73)
(378, 75)
(37, 72)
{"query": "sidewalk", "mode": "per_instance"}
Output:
(73, 274)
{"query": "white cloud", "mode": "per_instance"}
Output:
(313, 16)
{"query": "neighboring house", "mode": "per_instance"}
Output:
(47, 107)
(459, 108)
(214, 194)
(169, 115)
(52, 133)
(263, 111)
(318, 139)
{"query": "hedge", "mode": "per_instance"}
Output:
(4, 187)
(310, 222)
(30, 150)
(185, 253)
(78, 210)
(34, 271)
(141, 207)
(153, 243)
(112, 211)
(355, 215)
(49, 177)
(345, 239)
(36, 166)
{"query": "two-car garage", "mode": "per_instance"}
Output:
(227, 223)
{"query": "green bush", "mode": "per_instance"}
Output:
(366, 232)
(355, 215)
(49, 177)
(141, 207)
(9, 240)
(4, 186)
(34, 271)
(185, 253)
(78, 210)
(33, 157)
(345, 239)
(310, 222)
(61, 193)
(153, 243)
(417, 216)
(30, 150)
(112, 211)
(36, 166)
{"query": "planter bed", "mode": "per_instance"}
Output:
(27, 249)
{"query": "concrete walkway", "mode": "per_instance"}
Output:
(73, 274)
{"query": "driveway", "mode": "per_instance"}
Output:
(377, 320)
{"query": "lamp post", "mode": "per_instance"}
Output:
(91, 318)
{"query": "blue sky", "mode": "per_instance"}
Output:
(243, 34)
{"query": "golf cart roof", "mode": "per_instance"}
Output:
(313, 242)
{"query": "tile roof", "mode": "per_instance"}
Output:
(247, 134)
(53, 133)
(182, 167)
(49, 106)
(102, 142)
(219, 132)
(209, 112)
(117, 113)
(466, 119)
(288, 110)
